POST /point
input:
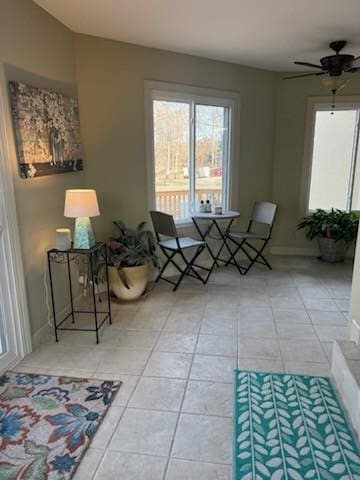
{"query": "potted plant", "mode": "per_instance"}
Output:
(130, 253)
(335, 230)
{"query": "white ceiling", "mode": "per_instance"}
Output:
(268, 34)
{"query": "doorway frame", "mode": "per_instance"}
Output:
(18, 303)
(314, 103)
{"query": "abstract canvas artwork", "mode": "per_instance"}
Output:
(47, 131)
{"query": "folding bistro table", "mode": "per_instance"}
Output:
(213, 220)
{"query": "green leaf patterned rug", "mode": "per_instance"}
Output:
(47, 423)
(291, 427)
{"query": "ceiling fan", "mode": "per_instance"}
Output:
(334, 67)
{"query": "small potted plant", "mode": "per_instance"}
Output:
(131, 252)
(335, 230)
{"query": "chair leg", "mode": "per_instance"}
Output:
(189, 265)
(265, 262)
(241, 246)
(233, 254)
(163, 268)
(232, 259)
(258, 254)
(192, 262)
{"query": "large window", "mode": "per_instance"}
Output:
(191, 142)
(334, 181)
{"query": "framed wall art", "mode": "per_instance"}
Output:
(47, 131)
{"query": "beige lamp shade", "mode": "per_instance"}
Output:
(81, 203)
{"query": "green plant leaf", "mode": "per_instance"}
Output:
(13, 392)
(335, 224)
(132, 247)
(8, 471)
(32, 449)
(37, 470)
(44, 403)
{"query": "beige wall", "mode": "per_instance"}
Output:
(290, 120)
(111, 92)
(37, 49)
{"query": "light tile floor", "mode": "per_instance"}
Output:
(175, 354)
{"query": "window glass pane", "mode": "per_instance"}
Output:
(332, 159)
(211, 153)
(171, 151)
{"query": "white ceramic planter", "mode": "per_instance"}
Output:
(137, 278)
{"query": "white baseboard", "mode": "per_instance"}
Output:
(303, 252)
(40, 335)
(355, 331)
(11, 365)
(45, 330)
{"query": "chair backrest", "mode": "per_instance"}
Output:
(163, 224)
(264, 213)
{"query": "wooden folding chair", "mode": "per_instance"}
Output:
(164, 226)
(263, 213)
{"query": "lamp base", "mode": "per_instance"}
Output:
(83, 237)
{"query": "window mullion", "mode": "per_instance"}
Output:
(192, 158)
(225, 166)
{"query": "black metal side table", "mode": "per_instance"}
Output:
(91, 257)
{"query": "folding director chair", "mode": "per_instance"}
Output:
(263, 213)
(164, 226)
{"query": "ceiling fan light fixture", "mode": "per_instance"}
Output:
(334, 84)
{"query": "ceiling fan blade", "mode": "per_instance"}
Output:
(356, 62)
(304, 75)
(353, 70)
(306, 64)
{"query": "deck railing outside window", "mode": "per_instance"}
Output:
(176, 202)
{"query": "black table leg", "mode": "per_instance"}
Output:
(94, 297)
(203, 238)
(223, 236)
(107, 282)
(70, 288)
(52, 297)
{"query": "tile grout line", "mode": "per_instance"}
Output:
(278, 339)
(127, 403)
(182, 400)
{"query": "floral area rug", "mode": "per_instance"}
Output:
(47, 423)
(291, 427)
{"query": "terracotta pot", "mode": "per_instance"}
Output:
(137, 278)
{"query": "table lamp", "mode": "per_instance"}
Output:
(82, 204)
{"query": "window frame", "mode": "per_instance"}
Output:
(155, 90)
(320, 104)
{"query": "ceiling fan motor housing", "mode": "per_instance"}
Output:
(336, 64)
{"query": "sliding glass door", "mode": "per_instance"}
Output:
(8, 349)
